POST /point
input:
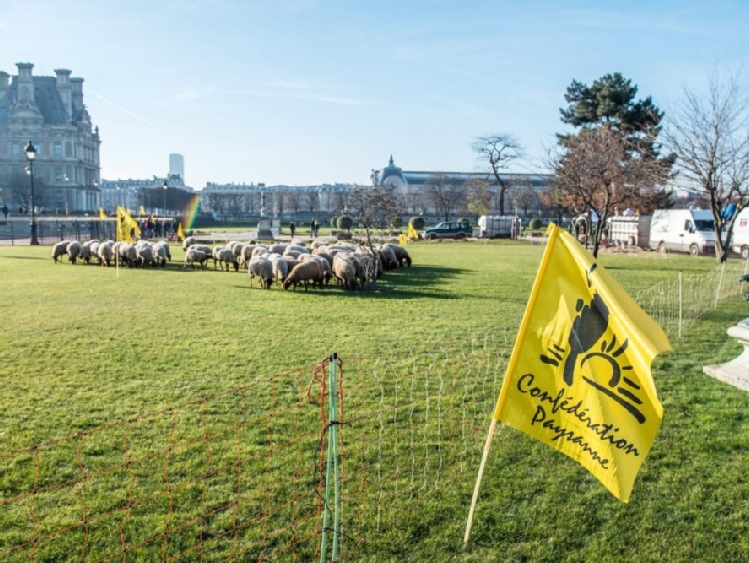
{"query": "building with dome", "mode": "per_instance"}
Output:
(414, 186)
(48, 111)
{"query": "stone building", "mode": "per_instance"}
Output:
(48, 111)
(415, 187)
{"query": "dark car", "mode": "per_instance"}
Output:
(449, 229)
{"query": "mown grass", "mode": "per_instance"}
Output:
(84, 347)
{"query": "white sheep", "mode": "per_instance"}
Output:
(388, 257)
(145, 254)
(60, 249)
(225, 256)
(401, 254)
(280, 267)
(188, 242)
(309, 270)
(105, 252)
(167, 250)
(277, 248)
(193, 256)
(261, 267)
(344, 271)
(74, 250)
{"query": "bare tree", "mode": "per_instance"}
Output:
(310, 199)
(372, 208)
(527, 199)
(497, 153)
(478, 196)
(595, 174)
(446, 193)
(710, 135)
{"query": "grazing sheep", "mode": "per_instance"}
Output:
(128, 254)
(203, 248)
(290, 262)
(259, 250)
(246, 254)
(74, 250)
(261, 267)
(188, 242)
(298, 248)
(225, 256)
(161, 253)
(105, 252)
(85, 253)
(145, 253)
(277, 248)
(322, 252)
(401, 254)
(60, 249)
(309, 270)
(167, 250)
(193, 256)
(280, 267)
(294, 253)
(388, 257)
(344, 271)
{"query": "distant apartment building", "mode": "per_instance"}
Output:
(154, 196)
(177, 166)
(48, 111)
(240, 201)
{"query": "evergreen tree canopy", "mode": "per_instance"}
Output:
(610, 101)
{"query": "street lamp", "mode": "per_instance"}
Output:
(31, 155)
(166, 187)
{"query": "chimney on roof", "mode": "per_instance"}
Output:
(76, 85)
(4, 82)
(25, 83)
(63, 88)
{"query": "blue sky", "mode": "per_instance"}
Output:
(313, 91)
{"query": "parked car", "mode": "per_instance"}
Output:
(449, 229)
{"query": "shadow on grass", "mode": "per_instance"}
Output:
(416, 282)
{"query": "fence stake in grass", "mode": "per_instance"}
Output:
(681, 301)
(332, 465)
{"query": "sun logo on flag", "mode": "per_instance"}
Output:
(589, 326)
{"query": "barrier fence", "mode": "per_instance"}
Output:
(297, 466)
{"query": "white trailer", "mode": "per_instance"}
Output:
(496, 226)
(624, 230)
(740, 238)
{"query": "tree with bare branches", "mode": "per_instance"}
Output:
(596, 174)
(710, 135)
(372, 207)
(446, 193)
(497, 153)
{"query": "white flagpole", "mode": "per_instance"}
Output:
(478, 481)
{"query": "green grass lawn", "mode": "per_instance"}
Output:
(85, 347)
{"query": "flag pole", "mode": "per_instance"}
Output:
(551, 231)
(475, 498)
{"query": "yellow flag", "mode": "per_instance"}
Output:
(412, 233)
(579, 378)
(126, 226)
(102, 215)
(180, 232)
(141, 210)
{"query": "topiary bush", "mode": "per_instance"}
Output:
(417, 223)
(536, 223)
(396, 221)
(345, 222)
(333, 221)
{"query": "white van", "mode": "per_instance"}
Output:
(740, 239)
(683, 230)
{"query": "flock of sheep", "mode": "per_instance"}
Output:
(294, 263)
(287, 264)
(140, 253)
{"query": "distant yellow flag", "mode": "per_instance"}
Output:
(412, 233)
(102, 215)
(579, 378)
(141, 210)
(126, 225)
(180, 232)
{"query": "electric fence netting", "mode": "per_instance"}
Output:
(328, 461)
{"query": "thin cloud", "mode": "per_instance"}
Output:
(122, 109)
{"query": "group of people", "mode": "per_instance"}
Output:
(314, 227)
(151, 228)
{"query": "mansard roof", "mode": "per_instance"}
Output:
(46, 98)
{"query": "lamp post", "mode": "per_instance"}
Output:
(31, 155)
(166, 187)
